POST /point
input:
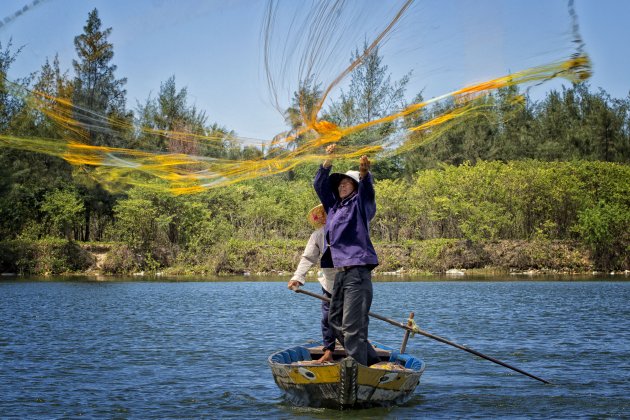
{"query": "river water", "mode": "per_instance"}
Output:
(157, 350)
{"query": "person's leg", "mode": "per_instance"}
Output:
(335, 311)
(357, 299)
(372, 356)
(328, 333)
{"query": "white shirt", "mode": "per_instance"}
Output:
(311, 256)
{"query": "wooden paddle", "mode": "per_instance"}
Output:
(434, 337)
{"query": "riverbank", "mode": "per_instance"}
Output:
(239, 257)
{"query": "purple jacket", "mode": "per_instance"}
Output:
(347, 223)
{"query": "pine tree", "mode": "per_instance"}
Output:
(302, 111)
(98, 95)
(169, 123)
(99, 101)
(10, 104)
(371, 95)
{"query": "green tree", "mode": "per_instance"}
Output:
(99, 205)
(9, 103)
(99, 97)
(143, 227)
(303, 112)
(605, 228)
(167, 120)
(515, 119)
(276, 208)
(578, 124)
(444, 143)
(606, 121)
(370, 96)
(63, 211)
(25, 177)
(99, 100)
(51, 87)
(395, 210)
(169, 123)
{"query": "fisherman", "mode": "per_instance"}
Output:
(349, 201)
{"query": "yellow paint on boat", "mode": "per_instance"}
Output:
(380, 378)
(314, 374)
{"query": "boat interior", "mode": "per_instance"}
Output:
(340, 353)
(389, 359)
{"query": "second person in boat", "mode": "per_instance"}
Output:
(326, 276)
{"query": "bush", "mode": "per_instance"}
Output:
(605, 229)
(237, 256)
(47, 256)
(121, 260)
(17, 256)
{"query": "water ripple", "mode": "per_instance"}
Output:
(199, 350)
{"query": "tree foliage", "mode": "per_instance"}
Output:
(63, 212)
(554, 169)
(571, 124)
(97, 91)
(371, 94)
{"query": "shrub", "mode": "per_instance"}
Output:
(605, 229)
(47, 256)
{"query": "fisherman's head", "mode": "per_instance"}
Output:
(343, 185)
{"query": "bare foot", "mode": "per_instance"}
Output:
(327, 357)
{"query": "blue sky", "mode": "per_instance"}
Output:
(214, 47)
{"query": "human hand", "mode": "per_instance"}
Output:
(293, 285)
(330, 149)
(364, 166)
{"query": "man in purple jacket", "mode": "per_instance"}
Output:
(349, 201)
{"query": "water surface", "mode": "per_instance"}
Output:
(155, 350)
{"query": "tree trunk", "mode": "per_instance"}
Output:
(87, 224)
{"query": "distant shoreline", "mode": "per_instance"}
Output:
(311, 279)
(440, 259)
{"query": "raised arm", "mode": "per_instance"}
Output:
(330, 149)
(321, 184)
(366, 188)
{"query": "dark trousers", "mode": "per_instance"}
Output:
(348, 314)
(328, 333)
